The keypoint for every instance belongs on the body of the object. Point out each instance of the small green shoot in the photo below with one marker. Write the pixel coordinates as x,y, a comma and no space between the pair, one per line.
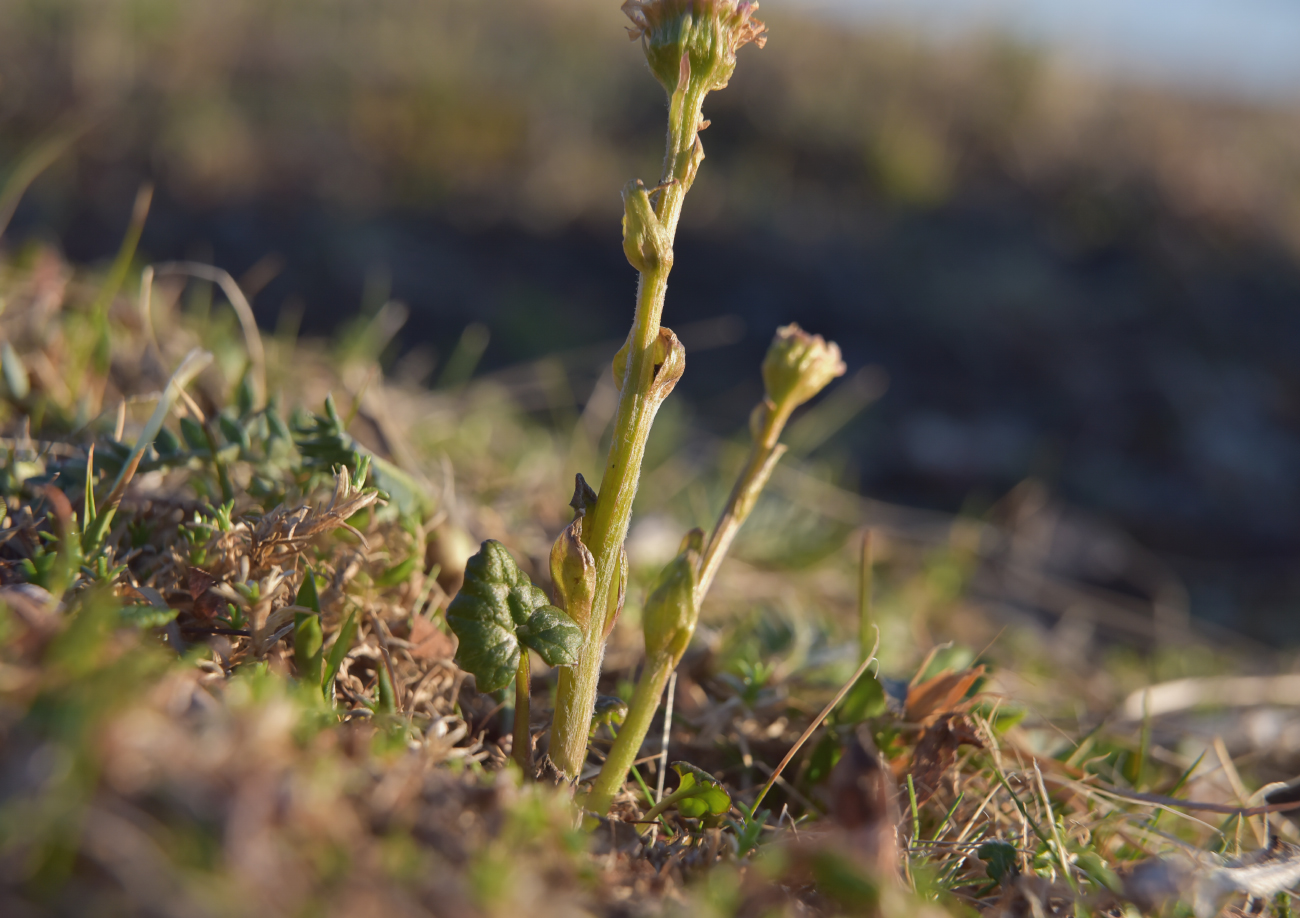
308,638
698,794
752,829
610,711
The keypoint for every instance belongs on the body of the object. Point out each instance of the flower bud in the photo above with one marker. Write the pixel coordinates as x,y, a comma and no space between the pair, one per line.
694,39
670,614
645,243
798,366
573,574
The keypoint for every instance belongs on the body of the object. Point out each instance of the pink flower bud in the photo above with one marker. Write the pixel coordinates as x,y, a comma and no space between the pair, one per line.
706,33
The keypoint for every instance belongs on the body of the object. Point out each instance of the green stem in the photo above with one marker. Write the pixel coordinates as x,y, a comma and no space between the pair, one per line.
645,788
522,750
605,529
767,451
763,457
641,711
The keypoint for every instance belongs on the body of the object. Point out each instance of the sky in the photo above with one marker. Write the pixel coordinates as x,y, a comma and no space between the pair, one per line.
1249,48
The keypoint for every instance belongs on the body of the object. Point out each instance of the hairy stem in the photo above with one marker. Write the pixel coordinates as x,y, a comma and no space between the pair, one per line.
606,527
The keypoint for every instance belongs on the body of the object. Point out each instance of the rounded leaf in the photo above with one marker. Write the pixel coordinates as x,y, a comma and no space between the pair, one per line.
497,610
555,636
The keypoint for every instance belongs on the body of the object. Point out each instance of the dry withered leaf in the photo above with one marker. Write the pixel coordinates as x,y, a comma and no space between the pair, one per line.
937,752
198,583
943,693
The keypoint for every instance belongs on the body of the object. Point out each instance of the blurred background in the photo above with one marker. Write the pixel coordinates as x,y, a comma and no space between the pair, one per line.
1057,242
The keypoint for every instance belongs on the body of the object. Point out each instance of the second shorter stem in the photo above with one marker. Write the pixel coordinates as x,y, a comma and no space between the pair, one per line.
763,457
641,711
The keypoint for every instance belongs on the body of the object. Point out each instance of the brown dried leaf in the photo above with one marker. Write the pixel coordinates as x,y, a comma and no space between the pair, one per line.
198,583
943,693
937,752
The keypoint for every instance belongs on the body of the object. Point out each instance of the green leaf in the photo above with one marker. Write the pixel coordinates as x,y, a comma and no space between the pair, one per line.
233,432
193,433
166,443
1099,872
88,508
711,798
275,422
398,573
387,697
866,699
308,597
145,616
340,650
556,637
824,757
307,643
1000,859
308,638
497,608
754,822
245,397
